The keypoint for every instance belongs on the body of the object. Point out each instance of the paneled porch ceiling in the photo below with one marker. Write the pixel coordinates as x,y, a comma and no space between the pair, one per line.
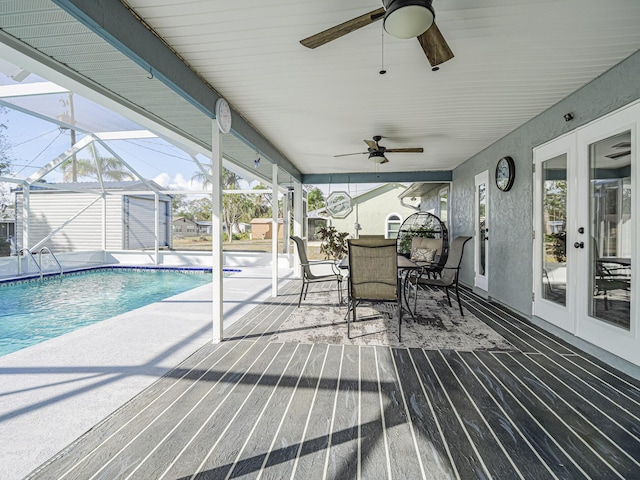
301,107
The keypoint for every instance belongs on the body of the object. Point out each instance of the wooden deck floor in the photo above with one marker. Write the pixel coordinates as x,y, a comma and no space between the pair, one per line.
250,408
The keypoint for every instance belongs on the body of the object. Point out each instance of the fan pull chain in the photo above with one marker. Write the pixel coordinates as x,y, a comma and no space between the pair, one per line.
382,70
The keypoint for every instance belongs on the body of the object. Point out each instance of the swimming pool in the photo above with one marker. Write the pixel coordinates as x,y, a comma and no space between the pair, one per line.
31,312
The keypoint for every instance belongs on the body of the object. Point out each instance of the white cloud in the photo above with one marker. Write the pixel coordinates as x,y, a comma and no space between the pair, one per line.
163,179
178,182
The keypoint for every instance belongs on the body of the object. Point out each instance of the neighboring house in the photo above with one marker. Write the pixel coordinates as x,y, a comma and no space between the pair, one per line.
204,228
7,223
378,212
184,227
130,218
261,228
316,221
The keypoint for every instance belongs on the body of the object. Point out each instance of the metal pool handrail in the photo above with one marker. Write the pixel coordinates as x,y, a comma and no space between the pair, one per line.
20,252
47,249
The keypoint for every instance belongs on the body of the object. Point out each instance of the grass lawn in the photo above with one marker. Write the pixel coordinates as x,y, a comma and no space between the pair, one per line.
203,243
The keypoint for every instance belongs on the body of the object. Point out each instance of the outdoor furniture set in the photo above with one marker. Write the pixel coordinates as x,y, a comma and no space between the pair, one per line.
390,270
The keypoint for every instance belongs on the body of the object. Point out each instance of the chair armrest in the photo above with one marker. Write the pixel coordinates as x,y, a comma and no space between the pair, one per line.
333,263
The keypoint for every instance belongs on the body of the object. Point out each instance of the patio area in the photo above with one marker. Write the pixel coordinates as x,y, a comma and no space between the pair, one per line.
256,407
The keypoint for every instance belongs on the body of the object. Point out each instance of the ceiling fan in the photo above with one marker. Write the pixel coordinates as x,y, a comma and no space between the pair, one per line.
377,151
402,19
625,145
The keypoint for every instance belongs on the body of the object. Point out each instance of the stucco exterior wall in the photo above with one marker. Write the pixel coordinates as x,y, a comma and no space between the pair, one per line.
510,213
370,210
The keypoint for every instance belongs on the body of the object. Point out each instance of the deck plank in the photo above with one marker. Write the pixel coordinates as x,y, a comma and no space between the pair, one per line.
312,454
342,461
403,456
494,460
541,404
255,452
552,455
287,440
373,454
433,450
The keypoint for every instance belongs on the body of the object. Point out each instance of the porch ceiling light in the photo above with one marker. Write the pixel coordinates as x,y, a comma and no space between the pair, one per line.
407,18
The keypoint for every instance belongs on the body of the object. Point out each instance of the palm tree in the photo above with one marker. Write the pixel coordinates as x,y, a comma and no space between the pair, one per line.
111,168
230,180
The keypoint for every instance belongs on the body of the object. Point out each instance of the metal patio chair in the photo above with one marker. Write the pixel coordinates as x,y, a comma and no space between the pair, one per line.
373,276
307,274
448,275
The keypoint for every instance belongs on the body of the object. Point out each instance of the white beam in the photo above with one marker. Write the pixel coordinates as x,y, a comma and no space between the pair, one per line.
63,157
216,232
126,135
297,222
30,89
157,227
274,231
142,178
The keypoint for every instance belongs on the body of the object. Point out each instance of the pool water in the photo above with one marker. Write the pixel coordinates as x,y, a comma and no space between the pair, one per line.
32,312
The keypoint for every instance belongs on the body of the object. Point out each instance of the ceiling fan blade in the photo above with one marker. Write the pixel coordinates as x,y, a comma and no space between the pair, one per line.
347,154
405,150
339,30
613,156
371,144
435,46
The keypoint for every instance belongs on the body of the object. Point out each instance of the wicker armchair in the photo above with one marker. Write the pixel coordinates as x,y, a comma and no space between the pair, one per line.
373,276
449,274
309,277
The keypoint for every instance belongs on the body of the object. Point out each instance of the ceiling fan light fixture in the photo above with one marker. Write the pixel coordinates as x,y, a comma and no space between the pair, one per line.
407,18
377,156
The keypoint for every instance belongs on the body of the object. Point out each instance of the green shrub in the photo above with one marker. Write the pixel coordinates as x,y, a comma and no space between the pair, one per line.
334,243
5,248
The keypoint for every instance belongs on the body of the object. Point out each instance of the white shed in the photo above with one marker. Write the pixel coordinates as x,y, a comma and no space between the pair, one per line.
77,210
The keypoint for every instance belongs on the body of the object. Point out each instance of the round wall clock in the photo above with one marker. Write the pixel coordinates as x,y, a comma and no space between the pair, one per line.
223,115
505,173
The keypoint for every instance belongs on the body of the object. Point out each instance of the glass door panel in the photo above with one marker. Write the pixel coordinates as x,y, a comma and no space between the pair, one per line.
554,230
611,225
482,231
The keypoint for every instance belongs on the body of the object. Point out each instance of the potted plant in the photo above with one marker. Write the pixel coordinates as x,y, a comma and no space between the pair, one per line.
333,243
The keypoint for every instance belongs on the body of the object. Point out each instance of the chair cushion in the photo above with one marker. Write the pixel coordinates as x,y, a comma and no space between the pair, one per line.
423,242
423,254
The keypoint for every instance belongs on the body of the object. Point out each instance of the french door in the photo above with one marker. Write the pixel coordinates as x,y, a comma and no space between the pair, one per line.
586,233
481,244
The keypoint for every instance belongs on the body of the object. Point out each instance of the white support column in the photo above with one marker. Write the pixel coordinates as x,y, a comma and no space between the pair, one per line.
216,232
156,198
26,216
104,222
297,222
285,225
274,231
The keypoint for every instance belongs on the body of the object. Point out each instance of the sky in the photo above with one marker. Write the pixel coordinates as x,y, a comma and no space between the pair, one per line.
34,141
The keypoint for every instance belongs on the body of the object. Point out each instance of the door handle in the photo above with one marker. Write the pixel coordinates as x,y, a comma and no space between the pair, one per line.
579,244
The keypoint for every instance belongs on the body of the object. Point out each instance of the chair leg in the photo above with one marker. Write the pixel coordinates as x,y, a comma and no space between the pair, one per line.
301,292
400,319
353,312
446,289
306,289
459,302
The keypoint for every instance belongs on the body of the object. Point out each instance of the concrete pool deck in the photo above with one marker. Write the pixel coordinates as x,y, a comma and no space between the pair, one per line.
53,392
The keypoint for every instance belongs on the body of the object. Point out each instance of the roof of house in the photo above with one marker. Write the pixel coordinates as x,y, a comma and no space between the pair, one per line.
124,185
